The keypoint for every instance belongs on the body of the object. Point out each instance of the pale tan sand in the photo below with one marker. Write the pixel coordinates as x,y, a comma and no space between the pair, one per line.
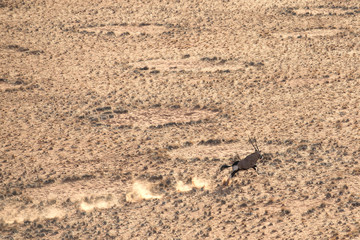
115,117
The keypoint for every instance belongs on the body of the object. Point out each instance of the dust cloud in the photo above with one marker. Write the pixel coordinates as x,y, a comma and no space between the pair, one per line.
182,187
201,183
101,204
195,183
15,215
140,191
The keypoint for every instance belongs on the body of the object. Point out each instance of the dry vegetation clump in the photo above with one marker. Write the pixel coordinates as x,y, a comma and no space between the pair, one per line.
115,119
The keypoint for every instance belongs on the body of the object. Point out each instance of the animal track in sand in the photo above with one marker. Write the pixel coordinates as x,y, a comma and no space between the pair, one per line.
124,29
194,64
311,33
326,11
158,118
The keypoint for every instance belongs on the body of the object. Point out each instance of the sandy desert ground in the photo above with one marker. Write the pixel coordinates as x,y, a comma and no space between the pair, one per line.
117,115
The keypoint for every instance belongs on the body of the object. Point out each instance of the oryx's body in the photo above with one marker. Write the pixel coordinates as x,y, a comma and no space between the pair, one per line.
246,163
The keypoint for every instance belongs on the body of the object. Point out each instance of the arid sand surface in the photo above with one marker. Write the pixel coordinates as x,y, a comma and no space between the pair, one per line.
115,117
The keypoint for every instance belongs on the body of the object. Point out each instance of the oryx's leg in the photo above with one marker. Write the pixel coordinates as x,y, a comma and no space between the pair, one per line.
233,173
